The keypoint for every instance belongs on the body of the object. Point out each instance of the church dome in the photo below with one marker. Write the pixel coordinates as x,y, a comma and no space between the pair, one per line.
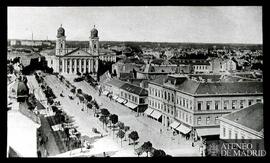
60,32
94,32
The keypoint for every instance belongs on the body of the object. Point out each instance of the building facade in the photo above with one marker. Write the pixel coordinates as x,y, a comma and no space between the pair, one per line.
198,105
246,123
72,61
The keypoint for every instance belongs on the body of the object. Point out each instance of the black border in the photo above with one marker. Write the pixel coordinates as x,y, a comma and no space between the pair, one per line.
69,3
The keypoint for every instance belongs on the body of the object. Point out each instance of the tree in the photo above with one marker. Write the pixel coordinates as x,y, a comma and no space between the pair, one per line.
79,91
78,73
126,128
88,97
73,90
114,120
133,136
159,153
147,147
105,113
89,105
139,151
121,125
121,135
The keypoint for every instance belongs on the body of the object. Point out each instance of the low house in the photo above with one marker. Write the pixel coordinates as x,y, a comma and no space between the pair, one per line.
246,123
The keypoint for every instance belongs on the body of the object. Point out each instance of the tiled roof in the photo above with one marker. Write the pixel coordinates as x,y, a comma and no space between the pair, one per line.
134,89
124,75
251,117
115,82
204,88
230,88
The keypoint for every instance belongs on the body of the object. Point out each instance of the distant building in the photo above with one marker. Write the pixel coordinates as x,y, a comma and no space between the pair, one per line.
246,123
71,61
228,65
198,104
201,67
107,55
125,66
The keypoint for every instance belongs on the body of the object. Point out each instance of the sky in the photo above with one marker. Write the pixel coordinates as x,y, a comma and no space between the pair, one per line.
230,24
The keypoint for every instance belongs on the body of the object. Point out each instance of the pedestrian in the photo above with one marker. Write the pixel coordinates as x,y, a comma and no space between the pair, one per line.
160,131
104,154
192,144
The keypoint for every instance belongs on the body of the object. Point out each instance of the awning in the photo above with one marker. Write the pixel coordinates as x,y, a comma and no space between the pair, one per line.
207,131
156,114
175,124
120,100
131,105
148,111
105,93
183,129
115,97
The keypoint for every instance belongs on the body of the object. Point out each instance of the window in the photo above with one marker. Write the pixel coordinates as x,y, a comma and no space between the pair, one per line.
155,92
216,105
190,119
122,94
242,104
190,105
169,96
199,120
216,120
184,102
207,120
234,104
186,117
158,106
179,115
199,105
129,96
165,95
224,132
180,100
158,93
172,111
165,108
230,134
208,104
172,98
51,61
155,104
177,101
150,90
187,103
235,135
250,102
135,99
226,104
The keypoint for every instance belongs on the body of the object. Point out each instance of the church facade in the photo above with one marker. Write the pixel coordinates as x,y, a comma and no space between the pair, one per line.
73,60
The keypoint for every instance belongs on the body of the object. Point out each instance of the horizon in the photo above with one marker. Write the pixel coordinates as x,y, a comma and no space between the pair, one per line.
143,41
233,24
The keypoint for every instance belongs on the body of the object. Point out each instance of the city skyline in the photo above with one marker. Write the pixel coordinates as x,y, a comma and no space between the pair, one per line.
150,24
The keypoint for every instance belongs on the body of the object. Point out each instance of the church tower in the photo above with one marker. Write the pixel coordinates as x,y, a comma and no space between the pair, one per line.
60,41
94,42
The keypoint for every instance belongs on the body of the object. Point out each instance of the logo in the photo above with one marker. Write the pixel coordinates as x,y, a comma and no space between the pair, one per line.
213,149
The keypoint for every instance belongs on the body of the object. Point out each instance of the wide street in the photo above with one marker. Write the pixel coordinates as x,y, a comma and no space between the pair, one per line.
148,129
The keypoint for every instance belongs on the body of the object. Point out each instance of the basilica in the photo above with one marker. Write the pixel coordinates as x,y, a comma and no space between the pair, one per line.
73,60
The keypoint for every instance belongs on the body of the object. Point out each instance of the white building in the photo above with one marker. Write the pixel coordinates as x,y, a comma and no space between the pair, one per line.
246,123
71,61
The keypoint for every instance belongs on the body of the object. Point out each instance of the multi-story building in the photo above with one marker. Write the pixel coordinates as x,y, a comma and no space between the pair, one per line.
228,65
135,95
246,123
68,61
197,104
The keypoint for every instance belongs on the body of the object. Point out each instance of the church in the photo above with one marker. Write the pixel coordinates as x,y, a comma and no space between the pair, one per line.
71,61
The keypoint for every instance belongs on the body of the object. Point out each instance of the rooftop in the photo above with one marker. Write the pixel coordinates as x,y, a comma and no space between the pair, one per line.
251,117
134,89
